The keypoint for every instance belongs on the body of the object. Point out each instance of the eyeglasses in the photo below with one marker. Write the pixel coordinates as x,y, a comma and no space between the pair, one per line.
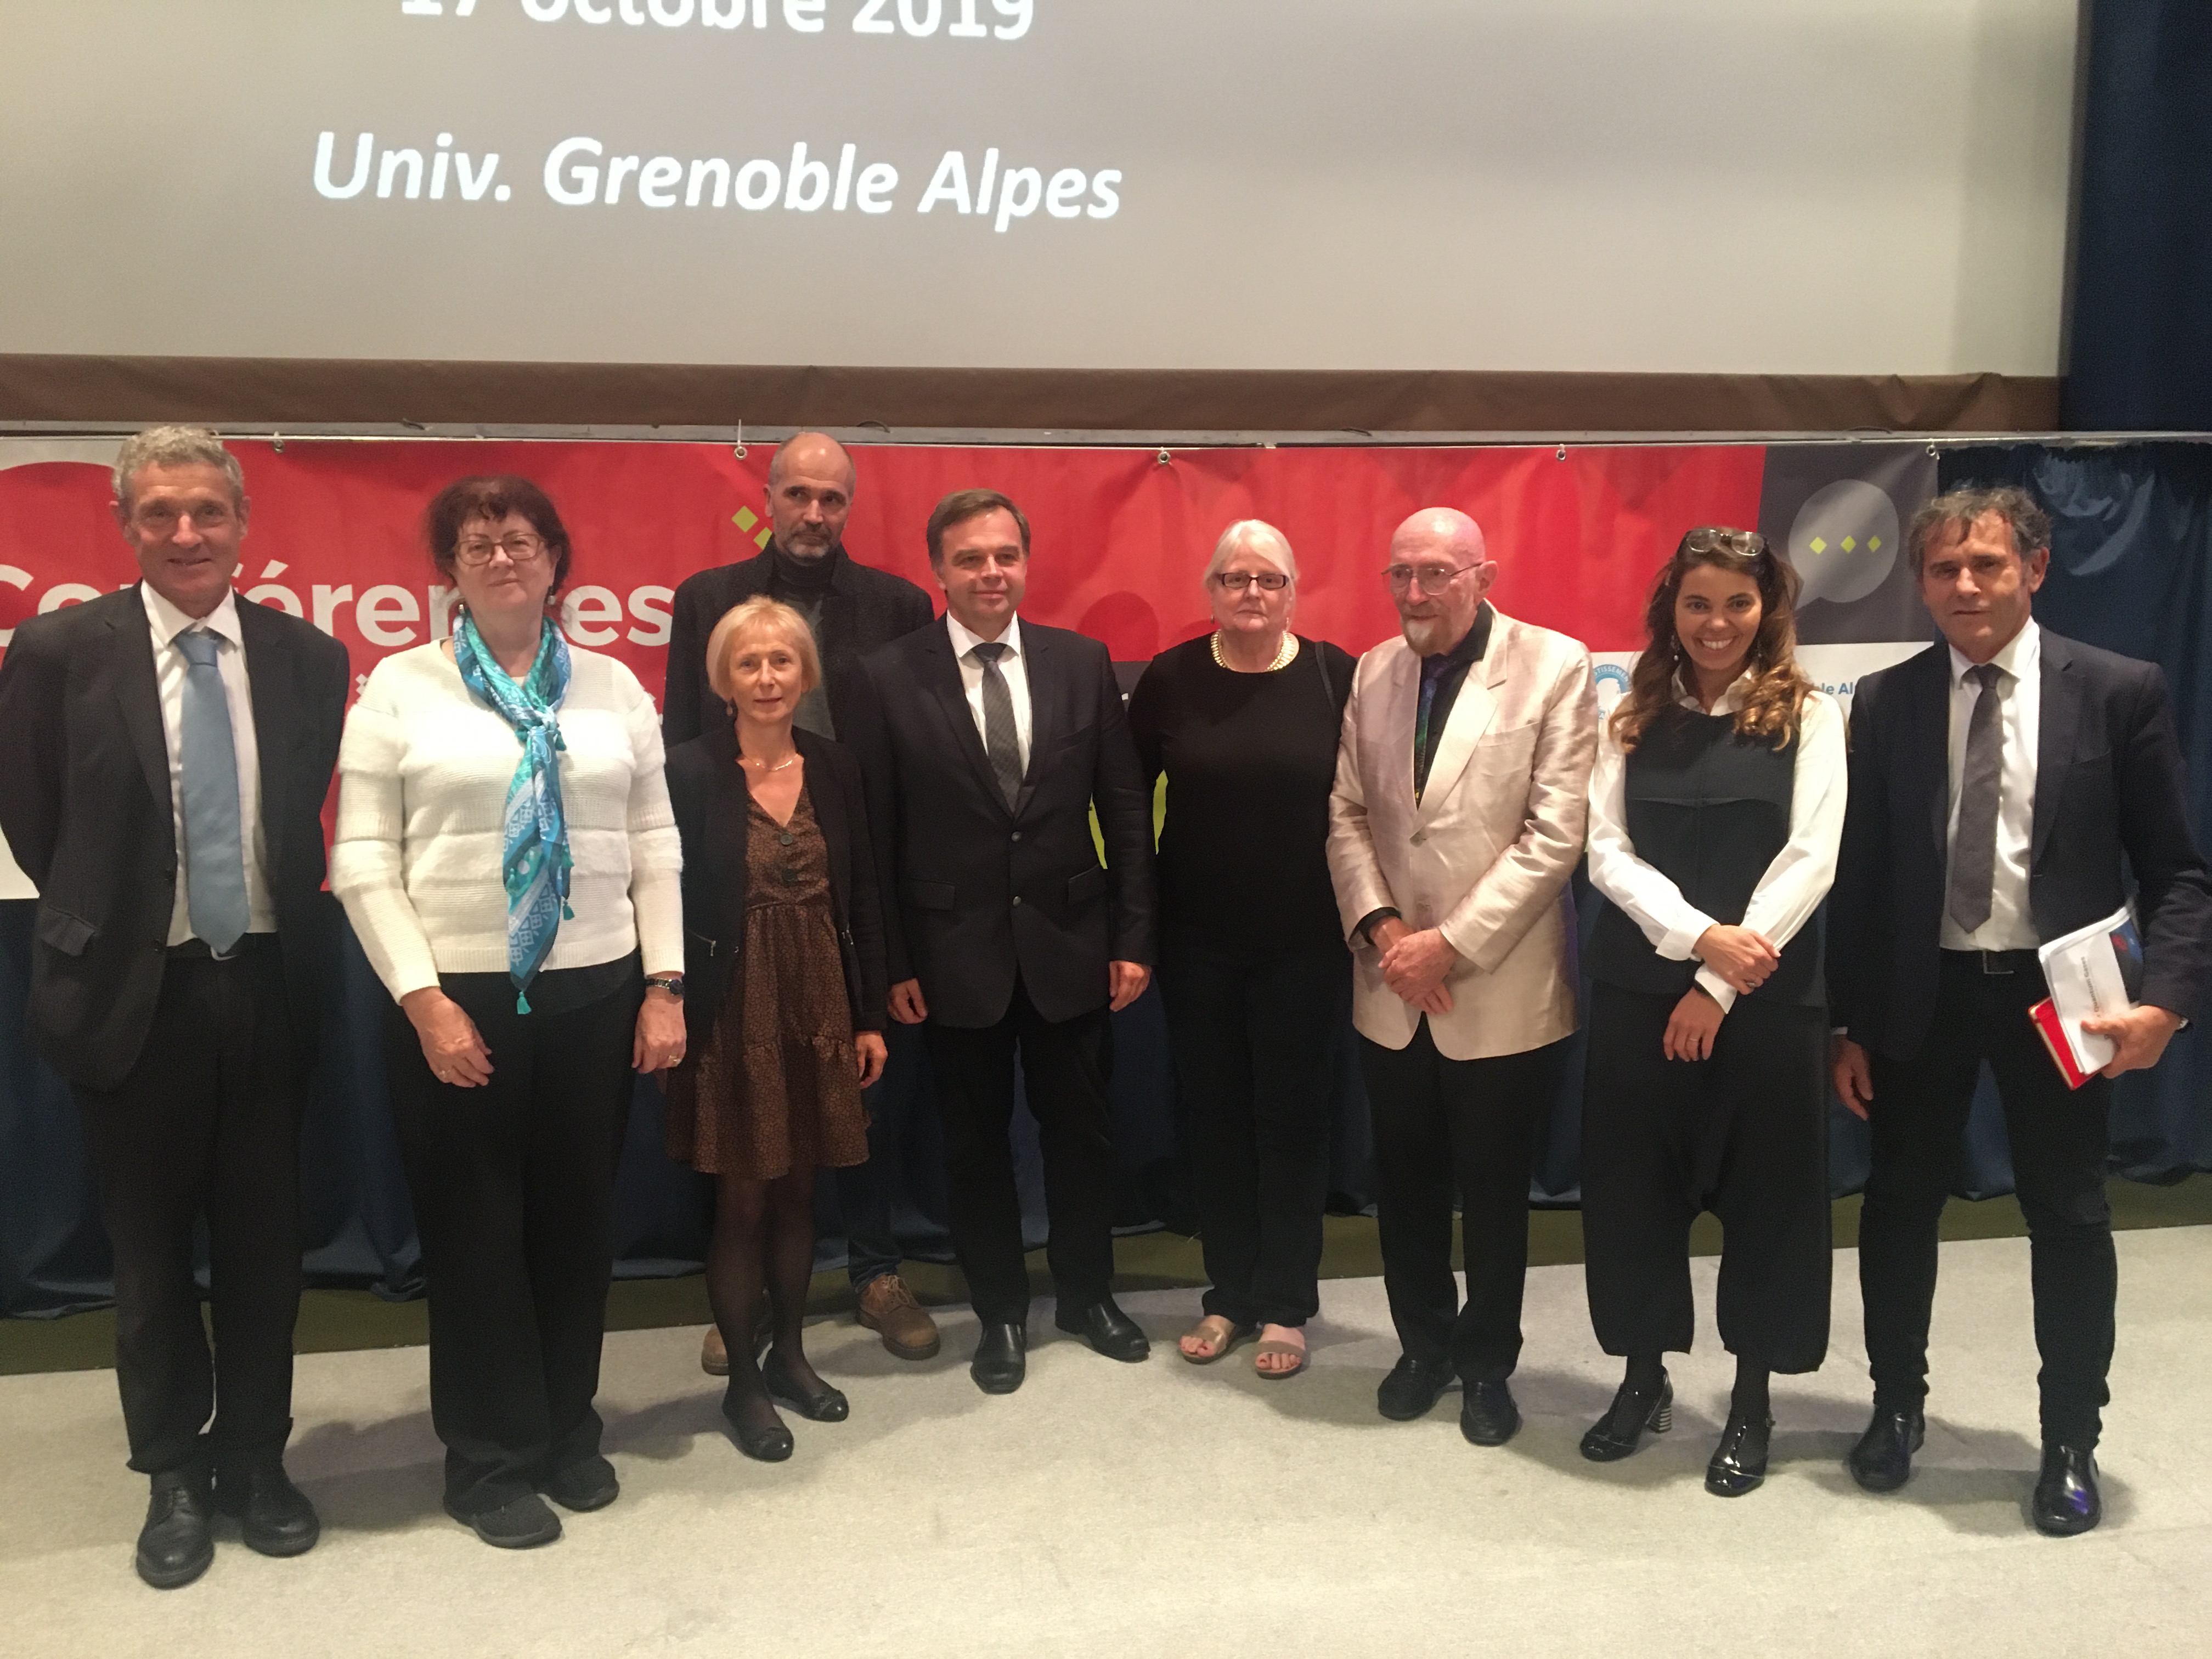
1431,578
1236,581
1710,538
519,549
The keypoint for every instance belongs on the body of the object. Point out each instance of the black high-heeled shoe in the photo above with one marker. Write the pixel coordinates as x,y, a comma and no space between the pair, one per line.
820,1405
1739,1462
757,1440
1620,1431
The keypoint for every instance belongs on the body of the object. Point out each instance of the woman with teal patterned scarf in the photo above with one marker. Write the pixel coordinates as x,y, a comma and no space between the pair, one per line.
507,855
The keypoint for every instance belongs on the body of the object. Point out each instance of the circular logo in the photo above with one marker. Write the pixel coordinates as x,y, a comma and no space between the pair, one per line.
1845,541
1611,679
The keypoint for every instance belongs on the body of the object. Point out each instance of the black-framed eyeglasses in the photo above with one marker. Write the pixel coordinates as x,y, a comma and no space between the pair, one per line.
519,549
1433,579
1236,581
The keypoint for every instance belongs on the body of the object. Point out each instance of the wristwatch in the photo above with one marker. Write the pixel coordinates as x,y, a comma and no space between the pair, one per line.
672,983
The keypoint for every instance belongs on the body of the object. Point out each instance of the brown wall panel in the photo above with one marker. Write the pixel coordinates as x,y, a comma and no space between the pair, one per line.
255,390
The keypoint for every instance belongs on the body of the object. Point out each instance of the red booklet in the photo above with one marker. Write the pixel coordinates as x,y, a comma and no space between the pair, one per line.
2062,1052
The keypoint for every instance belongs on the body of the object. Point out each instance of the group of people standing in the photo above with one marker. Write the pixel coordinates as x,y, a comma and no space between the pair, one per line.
855,824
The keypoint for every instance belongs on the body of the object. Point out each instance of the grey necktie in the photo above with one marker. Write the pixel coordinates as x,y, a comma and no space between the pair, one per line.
1974,847
1000,741
214,853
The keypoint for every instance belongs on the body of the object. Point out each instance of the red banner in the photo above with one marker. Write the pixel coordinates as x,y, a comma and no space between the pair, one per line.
1120,534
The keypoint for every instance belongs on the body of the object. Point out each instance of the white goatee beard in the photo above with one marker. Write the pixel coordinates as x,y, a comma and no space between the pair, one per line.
1427,634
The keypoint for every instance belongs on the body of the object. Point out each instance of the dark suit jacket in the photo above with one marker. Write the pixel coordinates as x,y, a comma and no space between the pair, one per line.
983,893
706,788
84,801
2108,785
864,608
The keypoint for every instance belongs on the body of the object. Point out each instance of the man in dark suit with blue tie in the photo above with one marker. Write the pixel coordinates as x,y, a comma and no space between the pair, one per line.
1998,782
986,742
164,755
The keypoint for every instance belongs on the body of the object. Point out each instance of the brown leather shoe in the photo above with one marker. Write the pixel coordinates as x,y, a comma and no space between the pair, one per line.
714,1353
889,1309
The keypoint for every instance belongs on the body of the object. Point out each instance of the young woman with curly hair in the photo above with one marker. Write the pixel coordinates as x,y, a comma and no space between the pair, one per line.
1716,807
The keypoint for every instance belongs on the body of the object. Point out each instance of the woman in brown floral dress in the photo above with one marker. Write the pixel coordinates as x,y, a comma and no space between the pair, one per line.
784,980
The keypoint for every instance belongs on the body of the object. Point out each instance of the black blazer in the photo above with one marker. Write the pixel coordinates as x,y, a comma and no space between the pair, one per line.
864,608
983,893
84,801
2108,786
706,788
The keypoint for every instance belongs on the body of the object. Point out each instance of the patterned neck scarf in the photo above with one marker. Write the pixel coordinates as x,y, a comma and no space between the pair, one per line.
534,862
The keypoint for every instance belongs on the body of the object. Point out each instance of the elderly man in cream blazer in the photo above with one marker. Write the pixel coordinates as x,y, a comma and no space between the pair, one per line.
1461,788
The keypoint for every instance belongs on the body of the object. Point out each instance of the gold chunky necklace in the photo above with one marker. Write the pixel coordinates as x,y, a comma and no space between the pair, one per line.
1285,654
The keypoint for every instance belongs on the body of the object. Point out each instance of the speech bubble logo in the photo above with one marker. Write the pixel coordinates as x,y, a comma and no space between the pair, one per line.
1844,541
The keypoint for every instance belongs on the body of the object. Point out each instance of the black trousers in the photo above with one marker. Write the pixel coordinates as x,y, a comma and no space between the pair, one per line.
1744,1134
2059,1140
513,1189
206,1124
1251,1038
1064,1063
1439,1121
866,1192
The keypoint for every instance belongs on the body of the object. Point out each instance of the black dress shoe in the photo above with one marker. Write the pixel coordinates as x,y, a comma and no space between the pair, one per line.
1107,1328
275,1515
823,1404
759,1435
1412,1387
589,1483
1882,1459
1620,1431
177,1543
1738,1462
520,1523
2067,1501
1001,1357
1487,1415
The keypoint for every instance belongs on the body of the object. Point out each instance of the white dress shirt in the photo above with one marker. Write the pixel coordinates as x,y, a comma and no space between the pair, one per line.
1794,882
165,622
2011,926
1010,666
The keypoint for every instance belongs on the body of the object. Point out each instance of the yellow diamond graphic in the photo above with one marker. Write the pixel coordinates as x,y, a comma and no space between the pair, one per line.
1849,542
1820,544
761,540
1873,543
744,518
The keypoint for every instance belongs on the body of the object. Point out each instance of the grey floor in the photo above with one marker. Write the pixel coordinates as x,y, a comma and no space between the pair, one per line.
1166,1509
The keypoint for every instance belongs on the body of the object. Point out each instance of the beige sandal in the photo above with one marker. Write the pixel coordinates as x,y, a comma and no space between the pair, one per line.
1233,1333
1271,1345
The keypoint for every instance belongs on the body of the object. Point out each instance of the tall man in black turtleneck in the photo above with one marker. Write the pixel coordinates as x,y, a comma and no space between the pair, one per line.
852,608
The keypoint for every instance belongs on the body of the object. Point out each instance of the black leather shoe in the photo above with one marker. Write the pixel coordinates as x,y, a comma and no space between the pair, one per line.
275,1515
1412,1387
177,1542
1882,1459
820,1405
587,1484
1620,1431
759,1435
1107,1328
520,1523
1001,1357
1487,1415
1738,1462
2067,1501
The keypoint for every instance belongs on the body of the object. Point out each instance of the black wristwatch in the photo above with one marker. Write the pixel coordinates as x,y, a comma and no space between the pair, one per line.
672,983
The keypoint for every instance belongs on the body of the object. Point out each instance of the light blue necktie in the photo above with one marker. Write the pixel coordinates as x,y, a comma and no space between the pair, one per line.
215,854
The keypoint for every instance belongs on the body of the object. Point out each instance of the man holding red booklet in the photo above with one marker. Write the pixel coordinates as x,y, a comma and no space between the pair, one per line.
1997,781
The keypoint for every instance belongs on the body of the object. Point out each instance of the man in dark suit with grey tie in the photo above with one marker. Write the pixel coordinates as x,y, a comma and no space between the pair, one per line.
164,755
1998,782
986,742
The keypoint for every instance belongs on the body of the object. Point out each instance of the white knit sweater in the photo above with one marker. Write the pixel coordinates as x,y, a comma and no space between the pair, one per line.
422,780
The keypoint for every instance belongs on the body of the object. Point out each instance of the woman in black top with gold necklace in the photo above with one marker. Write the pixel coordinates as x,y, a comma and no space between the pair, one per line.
1717,804
1244,721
